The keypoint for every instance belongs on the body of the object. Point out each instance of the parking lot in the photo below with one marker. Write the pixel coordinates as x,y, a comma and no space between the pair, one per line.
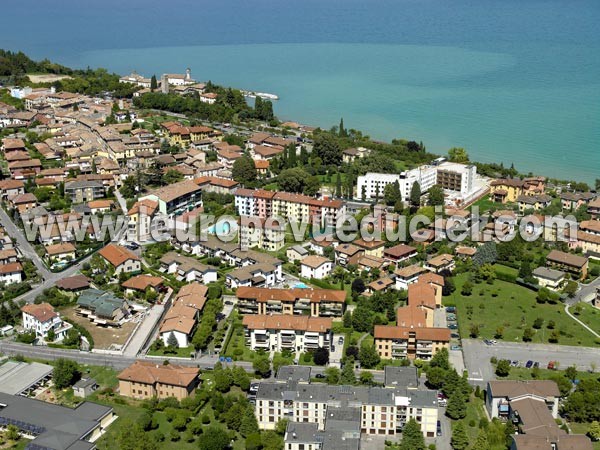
336,356
477,356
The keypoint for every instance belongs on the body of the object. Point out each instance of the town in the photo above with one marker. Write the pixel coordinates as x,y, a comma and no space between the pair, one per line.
118,331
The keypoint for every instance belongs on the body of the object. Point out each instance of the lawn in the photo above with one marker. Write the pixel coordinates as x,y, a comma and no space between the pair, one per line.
582,428
236,347
485,204
513,308
588,315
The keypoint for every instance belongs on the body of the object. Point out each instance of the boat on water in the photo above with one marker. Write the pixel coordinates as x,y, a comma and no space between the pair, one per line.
263,95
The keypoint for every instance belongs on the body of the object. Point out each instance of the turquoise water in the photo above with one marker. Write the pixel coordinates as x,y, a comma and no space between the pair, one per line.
300,285
221,228
512,81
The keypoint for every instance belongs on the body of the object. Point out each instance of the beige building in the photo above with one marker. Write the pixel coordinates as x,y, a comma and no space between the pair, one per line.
144,379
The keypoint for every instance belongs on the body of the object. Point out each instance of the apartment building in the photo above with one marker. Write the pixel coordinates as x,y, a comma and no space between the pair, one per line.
315,266
456,177
140,224
567,262
379,410
84,191
187,269
268,234
177,198
372,185
507,190
284,332
295,301
145,380
288,206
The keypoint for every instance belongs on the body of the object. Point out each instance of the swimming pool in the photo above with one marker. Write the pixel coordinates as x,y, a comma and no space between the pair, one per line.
301,285
222,228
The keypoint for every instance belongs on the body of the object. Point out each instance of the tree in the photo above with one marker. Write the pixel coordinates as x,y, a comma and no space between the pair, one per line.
131,436
594,428
571,288
328,149
153,83
366,378
172,341
338,185
474,330
460,438
415,194
332,375
214,438
321,356
467,288
486,254
412,437
249,423
481,443
358,285
441,359
172,176
571,373
341,130
457,406
51,336
312,185
129,187
527,335
262,365
458,155
347,376
525,271
362,319
65,373
503,368
538,323
12,433
291,154
392,194
347,319
436,195
244,170
292,180
368,356
436,377
253,442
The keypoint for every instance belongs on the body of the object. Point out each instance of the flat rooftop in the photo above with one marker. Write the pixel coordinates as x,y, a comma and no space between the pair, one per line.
17,377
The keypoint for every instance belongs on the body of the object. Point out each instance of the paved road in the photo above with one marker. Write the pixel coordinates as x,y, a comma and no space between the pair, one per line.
23,244
477,356
586,293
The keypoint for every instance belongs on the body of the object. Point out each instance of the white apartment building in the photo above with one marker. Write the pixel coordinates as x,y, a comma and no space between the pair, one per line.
373,183
266,234
456,177
383,410
285,332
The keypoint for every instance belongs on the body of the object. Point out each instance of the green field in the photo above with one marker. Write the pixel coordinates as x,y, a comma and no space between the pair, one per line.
514,308
588,315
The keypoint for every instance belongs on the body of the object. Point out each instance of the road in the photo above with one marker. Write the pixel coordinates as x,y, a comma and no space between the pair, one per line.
586,293
23,244
477,356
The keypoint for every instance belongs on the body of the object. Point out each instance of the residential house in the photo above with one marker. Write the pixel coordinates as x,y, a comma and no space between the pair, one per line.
73,285
140,284
146,380
11,273
440,263
101,206
60,253
121,259
8,256
400,253
573,264
101,308
534,202
23,202
407,275
314,266
187,269
346,254
372,247
550,278
380,285
594,208
10,188
296,253
41,318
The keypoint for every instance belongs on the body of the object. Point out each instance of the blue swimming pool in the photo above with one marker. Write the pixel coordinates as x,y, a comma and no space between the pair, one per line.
300,285
221,228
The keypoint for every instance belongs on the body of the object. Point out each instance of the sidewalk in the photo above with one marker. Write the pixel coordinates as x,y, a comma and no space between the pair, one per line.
142,332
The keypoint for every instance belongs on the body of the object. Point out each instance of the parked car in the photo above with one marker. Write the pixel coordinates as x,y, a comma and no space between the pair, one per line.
450,309
453,326
552,365
319,376
439,428
487,342
529,364
455,335
536,364
514,363
341,340
456,347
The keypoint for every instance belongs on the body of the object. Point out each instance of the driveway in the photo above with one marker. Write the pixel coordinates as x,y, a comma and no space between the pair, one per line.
336,356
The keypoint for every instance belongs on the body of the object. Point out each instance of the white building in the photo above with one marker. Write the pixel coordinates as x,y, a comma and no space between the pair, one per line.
42,318
11,273
284,332
315,266
373,183
177,79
